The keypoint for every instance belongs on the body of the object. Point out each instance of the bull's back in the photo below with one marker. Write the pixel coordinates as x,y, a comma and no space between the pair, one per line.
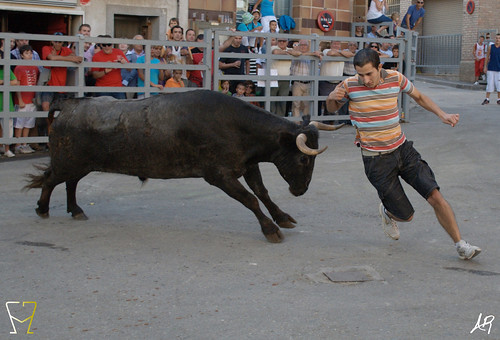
165,136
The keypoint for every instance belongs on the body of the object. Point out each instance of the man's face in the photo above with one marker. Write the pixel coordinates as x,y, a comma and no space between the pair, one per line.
335,45
420,4
481,40
107,48
177,34
237,41
22,42
369,74
385,46
395,52
303,46
273,26
352,47
57,45
190,36
497,40
282,43
85,31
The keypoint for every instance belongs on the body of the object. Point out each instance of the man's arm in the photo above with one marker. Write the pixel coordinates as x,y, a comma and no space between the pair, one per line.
429,105
487,59
72,57
335,99
417,23
408,15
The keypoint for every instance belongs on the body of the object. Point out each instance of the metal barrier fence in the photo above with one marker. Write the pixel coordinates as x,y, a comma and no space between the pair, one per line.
440,54
208,66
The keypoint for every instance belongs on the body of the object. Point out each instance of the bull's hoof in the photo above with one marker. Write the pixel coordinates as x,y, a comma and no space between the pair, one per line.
80,217
287,222
277,237
42,214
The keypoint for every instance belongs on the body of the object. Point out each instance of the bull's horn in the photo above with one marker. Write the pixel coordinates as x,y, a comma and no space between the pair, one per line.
301,144
327,127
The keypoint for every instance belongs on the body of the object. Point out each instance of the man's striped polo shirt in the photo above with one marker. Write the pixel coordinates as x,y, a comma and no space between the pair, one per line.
374,111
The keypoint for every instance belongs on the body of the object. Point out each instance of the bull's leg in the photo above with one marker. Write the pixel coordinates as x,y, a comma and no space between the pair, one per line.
72,207
254,181
236,190
48,186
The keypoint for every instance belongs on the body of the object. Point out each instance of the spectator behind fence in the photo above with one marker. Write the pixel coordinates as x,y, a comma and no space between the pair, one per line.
27,75
15,54
250,91
240,90
392,65
171,23
156,76
196,76
330,69
129,75
176,80
235,65
109,77
13,81
376,15
56,52
414,16
179,54
281,68
302,87
224,87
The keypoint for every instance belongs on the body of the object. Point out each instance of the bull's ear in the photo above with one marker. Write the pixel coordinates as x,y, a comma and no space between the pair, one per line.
306,119
287,139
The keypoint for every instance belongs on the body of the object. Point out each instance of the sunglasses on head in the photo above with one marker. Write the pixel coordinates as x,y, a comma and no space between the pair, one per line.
420,2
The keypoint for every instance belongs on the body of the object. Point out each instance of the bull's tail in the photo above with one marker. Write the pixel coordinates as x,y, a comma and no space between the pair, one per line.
37,180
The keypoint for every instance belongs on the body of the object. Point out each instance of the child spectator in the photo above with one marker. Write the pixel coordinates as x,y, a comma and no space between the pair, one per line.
240,90
224,87
13,81
396,22
176,80
250,91
156,76
171,23
255,26
27,76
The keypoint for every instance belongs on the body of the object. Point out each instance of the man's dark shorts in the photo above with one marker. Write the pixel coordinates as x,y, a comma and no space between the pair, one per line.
384,171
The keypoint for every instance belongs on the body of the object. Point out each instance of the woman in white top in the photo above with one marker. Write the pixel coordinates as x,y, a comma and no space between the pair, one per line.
376,14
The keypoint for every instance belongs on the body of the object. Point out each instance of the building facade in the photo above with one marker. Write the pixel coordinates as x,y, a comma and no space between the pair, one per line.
126,18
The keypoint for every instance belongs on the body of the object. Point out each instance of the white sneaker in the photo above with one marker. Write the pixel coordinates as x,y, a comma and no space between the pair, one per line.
9,154
476,83
28,149
388,224
466,251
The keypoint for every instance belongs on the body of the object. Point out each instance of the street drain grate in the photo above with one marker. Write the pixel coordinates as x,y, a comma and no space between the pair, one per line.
346,274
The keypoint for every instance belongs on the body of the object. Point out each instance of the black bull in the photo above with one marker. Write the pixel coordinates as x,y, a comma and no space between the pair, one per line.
192,134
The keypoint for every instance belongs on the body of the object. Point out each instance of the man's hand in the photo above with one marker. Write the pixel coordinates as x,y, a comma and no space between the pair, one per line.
451,119
338,94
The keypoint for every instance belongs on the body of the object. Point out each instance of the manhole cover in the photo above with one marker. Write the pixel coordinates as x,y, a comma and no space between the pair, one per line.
346,274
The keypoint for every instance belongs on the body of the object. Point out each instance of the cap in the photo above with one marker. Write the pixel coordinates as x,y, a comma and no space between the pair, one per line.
246,18
256,11
58,33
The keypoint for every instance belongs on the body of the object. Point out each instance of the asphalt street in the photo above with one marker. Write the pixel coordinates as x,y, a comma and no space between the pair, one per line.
179,259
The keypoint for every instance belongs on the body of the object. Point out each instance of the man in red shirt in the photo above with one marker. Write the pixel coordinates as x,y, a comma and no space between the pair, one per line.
56,52
109,77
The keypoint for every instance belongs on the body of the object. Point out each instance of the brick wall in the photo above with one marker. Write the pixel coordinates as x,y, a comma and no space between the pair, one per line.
305,14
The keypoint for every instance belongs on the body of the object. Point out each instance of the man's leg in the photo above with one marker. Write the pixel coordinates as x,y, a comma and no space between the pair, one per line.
444,214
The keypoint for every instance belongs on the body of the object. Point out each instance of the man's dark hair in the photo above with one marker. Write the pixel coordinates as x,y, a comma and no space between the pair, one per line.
84,25
177,26
395,47
365,56
200,36
25,48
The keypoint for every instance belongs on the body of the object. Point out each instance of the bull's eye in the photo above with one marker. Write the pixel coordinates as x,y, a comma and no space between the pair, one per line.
304,160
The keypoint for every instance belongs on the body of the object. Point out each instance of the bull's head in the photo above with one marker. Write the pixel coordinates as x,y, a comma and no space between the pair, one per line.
297,164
